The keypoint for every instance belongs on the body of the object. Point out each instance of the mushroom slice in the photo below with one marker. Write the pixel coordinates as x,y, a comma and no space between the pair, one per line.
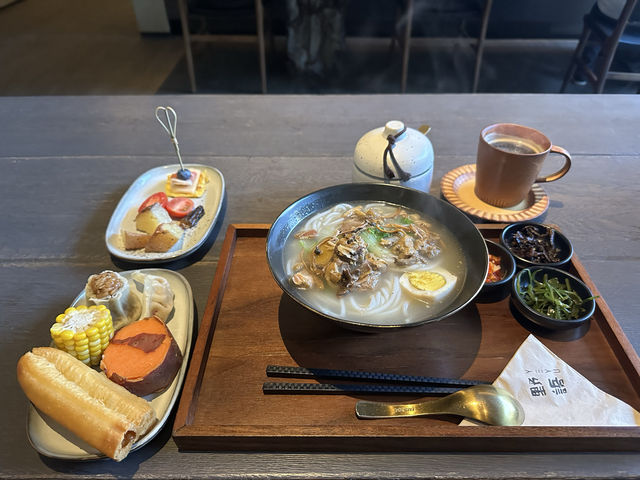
305,280
322,253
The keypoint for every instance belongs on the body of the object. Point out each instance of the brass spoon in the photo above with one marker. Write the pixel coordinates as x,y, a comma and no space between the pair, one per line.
486,403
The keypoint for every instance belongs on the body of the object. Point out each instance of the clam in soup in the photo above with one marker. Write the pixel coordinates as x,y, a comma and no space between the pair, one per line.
375,263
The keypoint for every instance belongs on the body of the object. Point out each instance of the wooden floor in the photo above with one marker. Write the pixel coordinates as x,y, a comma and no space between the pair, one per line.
80,47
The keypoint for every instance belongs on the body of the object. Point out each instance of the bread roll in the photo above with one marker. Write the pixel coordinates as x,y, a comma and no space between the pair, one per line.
103,414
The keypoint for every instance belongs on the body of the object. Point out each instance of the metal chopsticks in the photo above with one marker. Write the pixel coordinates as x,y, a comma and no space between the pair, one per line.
386,382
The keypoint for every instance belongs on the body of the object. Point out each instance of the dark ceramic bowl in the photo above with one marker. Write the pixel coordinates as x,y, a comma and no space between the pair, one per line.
560,242
496,291
470,239
521,282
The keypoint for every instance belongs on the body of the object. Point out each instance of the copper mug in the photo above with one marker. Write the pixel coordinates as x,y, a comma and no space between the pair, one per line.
509,160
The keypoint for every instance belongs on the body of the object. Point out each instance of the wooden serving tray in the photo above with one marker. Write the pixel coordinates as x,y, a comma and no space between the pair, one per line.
249,323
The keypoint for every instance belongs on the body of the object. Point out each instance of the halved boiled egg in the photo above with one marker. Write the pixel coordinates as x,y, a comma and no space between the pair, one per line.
431,285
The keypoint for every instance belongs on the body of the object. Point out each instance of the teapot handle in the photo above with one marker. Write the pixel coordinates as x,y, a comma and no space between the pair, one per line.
424,129
388,173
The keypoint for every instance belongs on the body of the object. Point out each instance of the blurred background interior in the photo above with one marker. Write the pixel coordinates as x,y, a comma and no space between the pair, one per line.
83,47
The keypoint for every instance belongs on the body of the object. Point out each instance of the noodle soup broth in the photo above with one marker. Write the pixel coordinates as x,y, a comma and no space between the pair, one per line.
375,263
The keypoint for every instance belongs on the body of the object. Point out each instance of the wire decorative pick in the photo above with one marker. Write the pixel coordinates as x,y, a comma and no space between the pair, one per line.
171,127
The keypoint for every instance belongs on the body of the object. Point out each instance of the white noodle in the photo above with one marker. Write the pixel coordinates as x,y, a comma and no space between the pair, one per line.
328,220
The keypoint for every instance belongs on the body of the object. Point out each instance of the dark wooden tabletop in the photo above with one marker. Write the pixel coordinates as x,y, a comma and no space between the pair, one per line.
66,161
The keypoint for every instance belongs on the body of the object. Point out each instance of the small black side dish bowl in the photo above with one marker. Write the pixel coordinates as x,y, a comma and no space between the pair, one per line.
560,242
496,291
521,282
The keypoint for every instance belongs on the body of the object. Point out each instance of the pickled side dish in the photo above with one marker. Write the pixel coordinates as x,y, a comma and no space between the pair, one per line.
551,297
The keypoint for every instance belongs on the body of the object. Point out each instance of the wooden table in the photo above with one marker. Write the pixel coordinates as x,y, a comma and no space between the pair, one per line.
67,160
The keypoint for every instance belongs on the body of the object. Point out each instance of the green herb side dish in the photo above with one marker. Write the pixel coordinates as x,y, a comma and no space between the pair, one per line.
552,298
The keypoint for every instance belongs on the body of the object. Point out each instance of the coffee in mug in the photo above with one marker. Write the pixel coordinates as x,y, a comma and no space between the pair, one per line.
511,144
509,160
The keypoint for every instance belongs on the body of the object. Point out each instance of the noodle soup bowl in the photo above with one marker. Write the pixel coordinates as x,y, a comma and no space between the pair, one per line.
384,308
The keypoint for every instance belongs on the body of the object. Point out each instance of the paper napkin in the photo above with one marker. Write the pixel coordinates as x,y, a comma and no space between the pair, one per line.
553,393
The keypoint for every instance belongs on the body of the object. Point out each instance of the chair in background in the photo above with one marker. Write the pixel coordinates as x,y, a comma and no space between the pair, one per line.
406,43
222,9
607,36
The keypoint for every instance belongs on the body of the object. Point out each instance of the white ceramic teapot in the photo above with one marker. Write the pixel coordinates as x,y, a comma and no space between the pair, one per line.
394,154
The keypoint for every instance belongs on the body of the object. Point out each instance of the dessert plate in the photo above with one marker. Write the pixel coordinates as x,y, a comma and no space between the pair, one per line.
457,187
52,440
153,181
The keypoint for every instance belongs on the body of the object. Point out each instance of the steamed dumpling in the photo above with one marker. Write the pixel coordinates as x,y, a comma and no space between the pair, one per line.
157,295
114,292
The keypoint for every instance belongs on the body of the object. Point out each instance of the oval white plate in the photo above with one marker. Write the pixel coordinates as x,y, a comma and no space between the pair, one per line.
52,440
153,181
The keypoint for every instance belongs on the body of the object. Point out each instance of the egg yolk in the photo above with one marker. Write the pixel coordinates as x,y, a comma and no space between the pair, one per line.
427,281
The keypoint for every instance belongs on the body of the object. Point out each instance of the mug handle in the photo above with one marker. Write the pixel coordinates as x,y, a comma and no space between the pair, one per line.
560,173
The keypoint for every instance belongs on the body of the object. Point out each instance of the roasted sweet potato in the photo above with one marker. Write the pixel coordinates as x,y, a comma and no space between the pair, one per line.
143,357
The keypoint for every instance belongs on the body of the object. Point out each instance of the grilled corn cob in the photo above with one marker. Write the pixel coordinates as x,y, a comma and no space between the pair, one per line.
84,332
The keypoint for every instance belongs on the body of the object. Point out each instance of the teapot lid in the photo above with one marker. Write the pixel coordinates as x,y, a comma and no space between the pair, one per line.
393,152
